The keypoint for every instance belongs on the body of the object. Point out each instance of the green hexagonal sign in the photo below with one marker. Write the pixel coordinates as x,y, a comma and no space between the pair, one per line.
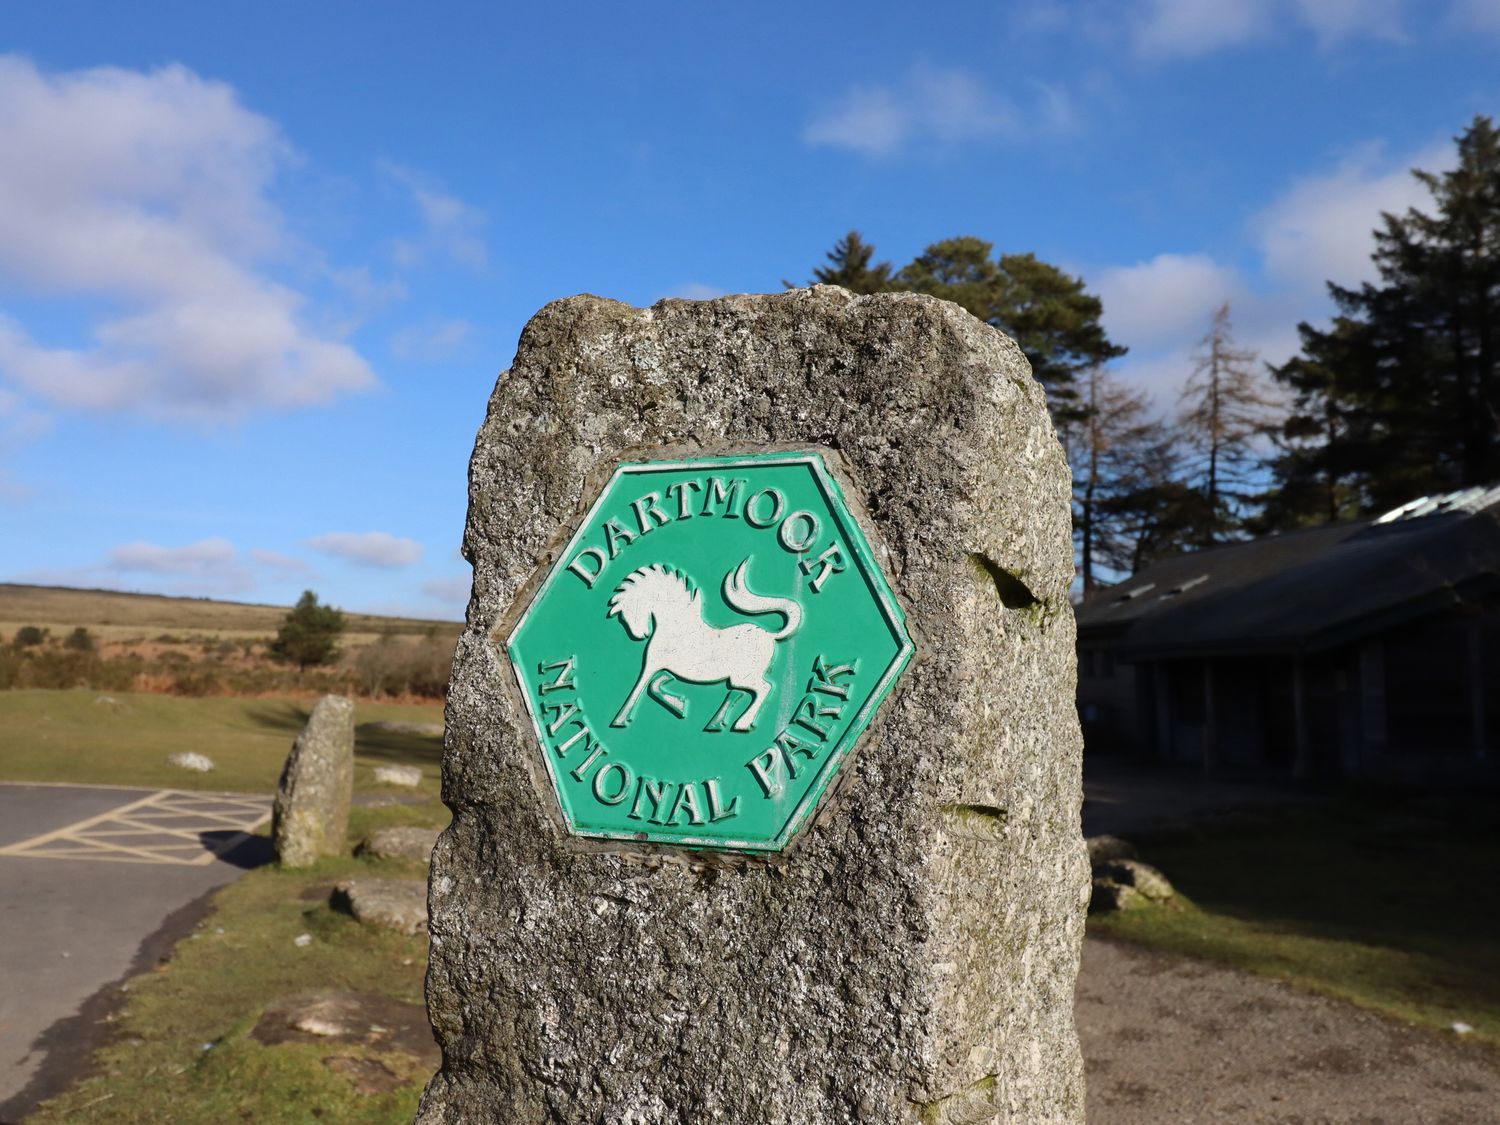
707,650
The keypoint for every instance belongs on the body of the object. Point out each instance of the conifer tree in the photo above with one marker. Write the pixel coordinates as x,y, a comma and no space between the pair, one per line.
1226,413
1116,452
849,266
1400,395
309,633
1056,322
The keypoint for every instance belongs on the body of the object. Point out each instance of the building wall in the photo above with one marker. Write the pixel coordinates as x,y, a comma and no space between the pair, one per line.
1107,702
1418,704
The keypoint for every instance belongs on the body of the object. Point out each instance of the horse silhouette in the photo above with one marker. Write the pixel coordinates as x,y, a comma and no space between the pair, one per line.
659,606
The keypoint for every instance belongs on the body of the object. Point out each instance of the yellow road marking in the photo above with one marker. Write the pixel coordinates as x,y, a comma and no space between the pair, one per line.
99,837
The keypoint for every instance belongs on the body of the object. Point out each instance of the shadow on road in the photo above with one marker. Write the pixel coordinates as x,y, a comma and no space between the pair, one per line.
256,851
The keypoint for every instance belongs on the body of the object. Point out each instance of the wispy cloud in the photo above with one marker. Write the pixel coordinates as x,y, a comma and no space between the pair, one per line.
432,340
284,566
933,105
20,423
148,193
1158,302
451,593
693,291
1195,27
368,548
1318,229
1476,15
203,557
1167,28
207,566
451,228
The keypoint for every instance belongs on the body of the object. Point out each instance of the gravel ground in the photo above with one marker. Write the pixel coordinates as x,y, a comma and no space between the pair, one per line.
1172,1039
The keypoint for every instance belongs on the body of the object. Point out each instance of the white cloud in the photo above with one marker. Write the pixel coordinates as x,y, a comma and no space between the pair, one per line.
1333,21
431,341
147,193
368,548
932,105
1165,28
19,423
207,566
451,228
1149,304
453,592
1320,229
1194,27
203,557
282,565
1263,326
1477,15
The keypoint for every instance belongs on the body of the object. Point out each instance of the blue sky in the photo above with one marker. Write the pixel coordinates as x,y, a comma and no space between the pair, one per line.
260,264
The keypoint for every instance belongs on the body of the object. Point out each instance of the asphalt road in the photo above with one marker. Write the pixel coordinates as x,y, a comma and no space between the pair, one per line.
95,885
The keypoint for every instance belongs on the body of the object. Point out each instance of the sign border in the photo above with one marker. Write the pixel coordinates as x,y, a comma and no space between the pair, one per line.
890,607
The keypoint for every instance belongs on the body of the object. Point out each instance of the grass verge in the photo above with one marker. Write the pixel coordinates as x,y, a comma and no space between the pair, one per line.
183,1050
1382,901
125,738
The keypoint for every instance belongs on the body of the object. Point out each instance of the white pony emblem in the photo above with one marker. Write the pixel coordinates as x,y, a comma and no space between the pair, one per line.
657,603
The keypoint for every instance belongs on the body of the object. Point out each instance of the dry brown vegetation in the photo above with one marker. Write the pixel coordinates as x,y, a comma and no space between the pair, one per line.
196,646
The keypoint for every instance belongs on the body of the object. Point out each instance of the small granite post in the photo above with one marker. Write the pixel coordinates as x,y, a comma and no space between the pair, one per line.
311,815
761,740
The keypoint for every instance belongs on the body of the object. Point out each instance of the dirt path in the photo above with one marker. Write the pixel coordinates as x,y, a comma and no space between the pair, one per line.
1169,1039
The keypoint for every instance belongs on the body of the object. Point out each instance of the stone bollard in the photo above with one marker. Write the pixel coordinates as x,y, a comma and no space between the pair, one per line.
311,815
762,750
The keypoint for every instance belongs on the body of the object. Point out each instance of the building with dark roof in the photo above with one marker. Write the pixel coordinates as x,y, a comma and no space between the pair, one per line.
1368,649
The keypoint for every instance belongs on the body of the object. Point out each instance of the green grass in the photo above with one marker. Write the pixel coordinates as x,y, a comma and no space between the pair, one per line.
219,981
70,736
1386,903
182,1049
242,958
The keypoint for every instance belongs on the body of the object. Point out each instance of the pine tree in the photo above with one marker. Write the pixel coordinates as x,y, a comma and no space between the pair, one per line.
1400,396
309,633
1163,514
1048,313
849,266
1116,453
1226,414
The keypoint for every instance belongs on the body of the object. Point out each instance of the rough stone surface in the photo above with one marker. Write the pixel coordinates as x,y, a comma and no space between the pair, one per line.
368,1019
312,800
1108,895
405,842
1104,849
396,904
1142,876
198,763
408,776
913,957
